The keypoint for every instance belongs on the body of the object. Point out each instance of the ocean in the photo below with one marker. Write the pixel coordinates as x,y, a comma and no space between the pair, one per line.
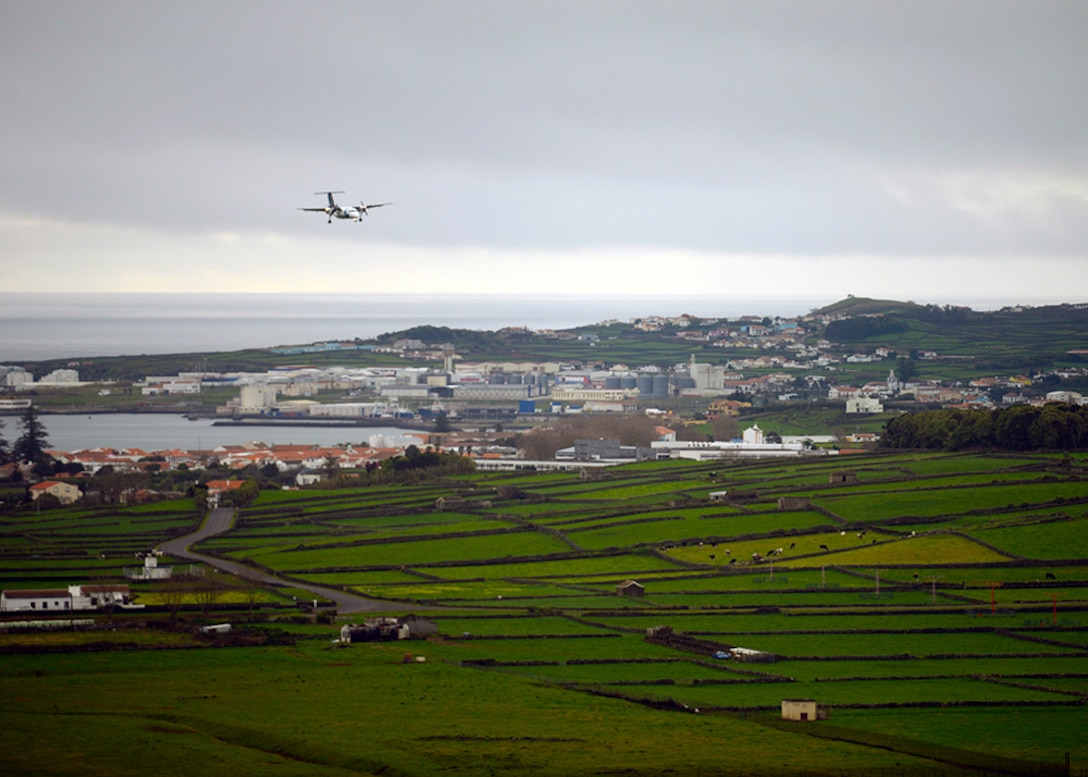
36,327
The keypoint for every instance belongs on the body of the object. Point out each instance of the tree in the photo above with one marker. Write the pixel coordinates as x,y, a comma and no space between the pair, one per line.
906,368
31,444
251,588
3,446
174,593
208,590
725,428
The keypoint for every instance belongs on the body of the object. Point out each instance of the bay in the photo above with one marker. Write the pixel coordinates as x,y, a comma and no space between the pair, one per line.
164,431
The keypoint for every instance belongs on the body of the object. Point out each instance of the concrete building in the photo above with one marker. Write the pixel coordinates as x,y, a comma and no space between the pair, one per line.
257,398
707,377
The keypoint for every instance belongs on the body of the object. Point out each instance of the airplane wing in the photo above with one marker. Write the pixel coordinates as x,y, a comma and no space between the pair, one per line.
314,210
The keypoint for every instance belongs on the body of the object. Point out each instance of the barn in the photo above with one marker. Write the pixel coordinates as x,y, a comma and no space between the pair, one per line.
630,588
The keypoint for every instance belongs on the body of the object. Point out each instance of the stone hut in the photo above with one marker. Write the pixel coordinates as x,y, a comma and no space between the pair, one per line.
804,709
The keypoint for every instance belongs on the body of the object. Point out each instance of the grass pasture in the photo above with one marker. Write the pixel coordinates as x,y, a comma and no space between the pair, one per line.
940,606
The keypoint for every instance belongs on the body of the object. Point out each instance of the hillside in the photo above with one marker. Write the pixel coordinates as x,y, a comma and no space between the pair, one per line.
937,604
1028,338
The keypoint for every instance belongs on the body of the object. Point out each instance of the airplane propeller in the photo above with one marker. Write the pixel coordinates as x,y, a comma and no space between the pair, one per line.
363,207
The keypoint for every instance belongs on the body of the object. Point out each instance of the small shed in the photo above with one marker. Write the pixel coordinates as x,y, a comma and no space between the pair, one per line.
750,656
418,628
842,479
450,502
794,503
217,628
804,709
630,588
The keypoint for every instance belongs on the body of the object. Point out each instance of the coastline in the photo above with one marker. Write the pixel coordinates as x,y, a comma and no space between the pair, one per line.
339,423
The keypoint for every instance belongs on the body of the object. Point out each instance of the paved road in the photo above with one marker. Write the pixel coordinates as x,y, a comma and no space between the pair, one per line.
221,520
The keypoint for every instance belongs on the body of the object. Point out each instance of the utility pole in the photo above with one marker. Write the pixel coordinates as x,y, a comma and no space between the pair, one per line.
933,588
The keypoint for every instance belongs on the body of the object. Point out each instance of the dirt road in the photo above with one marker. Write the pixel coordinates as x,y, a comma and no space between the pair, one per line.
220,520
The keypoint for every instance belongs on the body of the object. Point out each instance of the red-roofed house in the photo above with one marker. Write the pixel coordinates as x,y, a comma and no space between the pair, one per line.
66,493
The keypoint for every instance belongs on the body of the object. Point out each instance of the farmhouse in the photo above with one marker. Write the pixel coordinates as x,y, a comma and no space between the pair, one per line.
388,629
630,588
804,709
75,597
42,600
66,493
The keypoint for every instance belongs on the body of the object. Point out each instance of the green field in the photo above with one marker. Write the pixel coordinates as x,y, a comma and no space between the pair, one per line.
939,606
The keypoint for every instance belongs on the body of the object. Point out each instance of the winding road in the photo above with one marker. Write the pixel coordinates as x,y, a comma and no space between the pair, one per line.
219,521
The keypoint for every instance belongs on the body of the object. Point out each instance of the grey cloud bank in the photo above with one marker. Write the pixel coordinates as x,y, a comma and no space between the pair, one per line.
893,149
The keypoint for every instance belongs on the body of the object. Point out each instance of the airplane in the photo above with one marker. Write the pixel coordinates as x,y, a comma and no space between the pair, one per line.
353,212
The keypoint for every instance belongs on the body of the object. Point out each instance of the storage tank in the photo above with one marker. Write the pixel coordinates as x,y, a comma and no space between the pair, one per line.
645,385
612,382
661,385
628,382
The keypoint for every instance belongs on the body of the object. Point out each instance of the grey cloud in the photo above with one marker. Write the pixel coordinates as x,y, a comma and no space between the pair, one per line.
762,126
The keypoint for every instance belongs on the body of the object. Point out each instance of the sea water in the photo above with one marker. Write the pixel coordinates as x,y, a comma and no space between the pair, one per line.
165,431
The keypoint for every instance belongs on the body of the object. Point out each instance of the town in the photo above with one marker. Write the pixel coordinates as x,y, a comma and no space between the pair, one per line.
731,397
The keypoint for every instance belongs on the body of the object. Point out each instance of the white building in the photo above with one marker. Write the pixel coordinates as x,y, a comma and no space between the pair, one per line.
43,600
1070,397
753,435
711,451
150,570
75,597
804,709
864,405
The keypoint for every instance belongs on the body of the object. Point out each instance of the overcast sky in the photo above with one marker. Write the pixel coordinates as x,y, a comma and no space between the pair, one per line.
933,151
